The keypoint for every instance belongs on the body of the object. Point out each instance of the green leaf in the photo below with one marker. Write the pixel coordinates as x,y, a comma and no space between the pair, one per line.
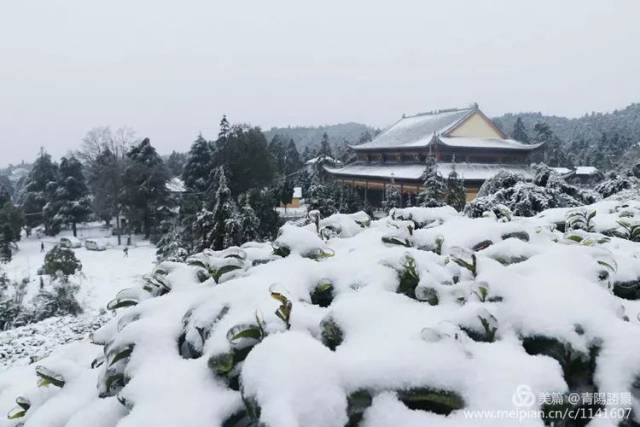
222,364
120,354
16,413
121,303
47,376
23,402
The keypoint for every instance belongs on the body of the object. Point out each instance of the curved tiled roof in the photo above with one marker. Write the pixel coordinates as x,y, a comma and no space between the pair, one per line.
417,131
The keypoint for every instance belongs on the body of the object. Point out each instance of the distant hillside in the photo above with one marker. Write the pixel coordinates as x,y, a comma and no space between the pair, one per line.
590,138
309,136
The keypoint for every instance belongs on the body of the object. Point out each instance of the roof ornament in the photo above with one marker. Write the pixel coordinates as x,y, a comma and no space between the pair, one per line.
475,106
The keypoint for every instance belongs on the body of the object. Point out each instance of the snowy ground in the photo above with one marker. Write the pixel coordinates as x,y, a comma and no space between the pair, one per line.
422,318
104,273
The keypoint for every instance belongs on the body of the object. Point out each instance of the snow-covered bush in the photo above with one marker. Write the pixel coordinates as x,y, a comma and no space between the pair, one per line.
613,184
59,300
61,260
459,316
523,198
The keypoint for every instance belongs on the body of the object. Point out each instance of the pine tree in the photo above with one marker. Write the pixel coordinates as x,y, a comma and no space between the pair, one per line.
519,131
249,221
278,153
264,201
223,211
6,239
246,159
104,177
325,147
144,187
44,171
455,192
71,196
433,192
224,127
198,166
350,200
202,231
392,197
292,159
286,192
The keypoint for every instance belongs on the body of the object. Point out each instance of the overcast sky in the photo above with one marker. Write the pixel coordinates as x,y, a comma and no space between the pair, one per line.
170,69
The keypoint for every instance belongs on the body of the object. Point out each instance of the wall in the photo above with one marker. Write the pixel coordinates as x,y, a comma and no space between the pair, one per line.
476,126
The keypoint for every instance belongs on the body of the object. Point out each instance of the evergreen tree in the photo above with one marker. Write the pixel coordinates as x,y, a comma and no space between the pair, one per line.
325,147
433,192
278,153
176,162
350,200
455,192
323,198
198,166
264,201
246,159
519,131
286,192
44,171
61,260
6,239
202,231
104,177
223,211
293,163
308,153
13,217
224,127
144,187
392,197
71,196
249,221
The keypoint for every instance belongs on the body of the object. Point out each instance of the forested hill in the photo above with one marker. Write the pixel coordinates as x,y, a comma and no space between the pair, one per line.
309,136
613,135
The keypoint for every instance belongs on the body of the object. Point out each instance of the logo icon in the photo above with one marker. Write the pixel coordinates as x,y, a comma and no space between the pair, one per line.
523,396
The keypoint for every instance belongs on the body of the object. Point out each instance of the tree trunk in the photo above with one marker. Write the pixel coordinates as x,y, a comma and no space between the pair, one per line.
118,230
75,229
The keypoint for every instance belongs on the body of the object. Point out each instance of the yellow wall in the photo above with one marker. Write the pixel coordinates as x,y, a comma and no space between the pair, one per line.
476,126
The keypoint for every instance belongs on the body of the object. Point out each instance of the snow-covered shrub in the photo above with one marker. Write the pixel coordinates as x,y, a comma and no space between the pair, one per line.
323,198
63,260
614,184
59,300
523,198
353,339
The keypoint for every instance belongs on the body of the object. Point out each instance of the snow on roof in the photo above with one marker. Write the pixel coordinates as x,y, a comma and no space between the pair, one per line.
467,171
586,170
417,131
562,171
480,171
319,158
509,144
175,185
297,192
388,171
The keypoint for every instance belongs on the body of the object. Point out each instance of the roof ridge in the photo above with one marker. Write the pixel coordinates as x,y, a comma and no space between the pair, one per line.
436,112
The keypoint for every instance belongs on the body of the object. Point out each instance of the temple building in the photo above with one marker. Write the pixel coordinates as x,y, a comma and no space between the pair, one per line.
462,139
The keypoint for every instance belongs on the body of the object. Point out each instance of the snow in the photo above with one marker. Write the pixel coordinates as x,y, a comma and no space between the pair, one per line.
297,192
104,273
176,185
586,170
523,277
467,171
507,144
397,170
416,131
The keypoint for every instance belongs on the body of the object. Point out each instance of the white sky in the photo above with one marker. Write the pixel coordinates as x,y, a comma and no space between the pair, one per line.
170,69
